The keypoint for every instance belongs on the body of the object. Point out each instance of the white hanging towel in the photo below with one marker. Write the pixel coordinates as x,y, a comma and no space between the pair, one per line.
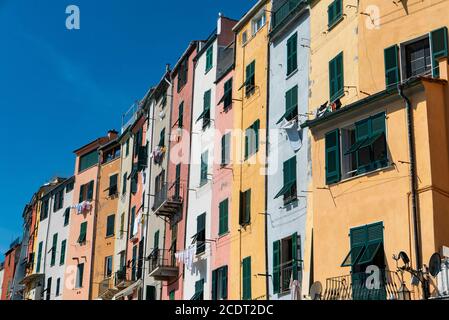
295,289
294,134
136,223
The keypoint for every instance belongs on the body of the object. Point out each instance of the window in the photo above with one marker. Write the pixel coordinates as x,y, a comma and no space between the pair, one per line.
58,287
83,233
227,97
223,226
205,115
88,160
178,182
220,283
204,168
259,22
39,257
286,262
150,293
291,105
113,185
70,186
53,249
252,139
48,290
226,149
336,80
110,225
111,154
66,217
199,290
334,13
181,115
183,74
200,236
418,60
162,138
87,192
289,190
108,267
246,265
292,54
244,37
368,151
44,209
125,179
63,249
209,58
127,147
132,222
122,225
58,200
134,264
245,208
250,82
79,276
156,240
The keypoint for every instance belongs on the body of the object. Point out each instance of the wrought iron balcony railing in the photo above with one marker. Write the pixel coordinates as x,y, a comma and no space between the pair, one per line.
383,285
168,199
162,264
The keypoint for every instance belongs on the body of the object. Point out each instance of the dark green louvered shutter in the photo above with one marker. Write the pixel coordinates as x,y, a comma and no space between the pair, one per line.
391,59
90,191
53,249
256,128
276,267
248,206
209,58
66,217
156,240
336,77
81,197
333,173
295,256
330,15
63,249
227,93
39,257
83,233
247,278
378,136
362,132
224,282
181,115
133,217
214,284
223,217
110,225
292,50
438,40
178,181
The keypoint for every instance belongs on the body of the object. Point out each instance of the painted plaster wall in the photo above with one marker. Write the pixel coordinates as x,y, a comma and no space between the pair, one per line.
284,221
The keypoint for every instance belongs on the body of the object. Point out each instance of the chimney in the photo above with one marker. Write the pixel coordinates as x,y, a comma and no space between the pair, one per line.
444,68
112,134
220,16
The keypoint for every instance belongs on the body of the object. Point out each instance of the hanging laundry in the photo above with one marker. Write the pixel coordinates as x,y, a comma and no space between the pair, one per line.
295,289
295,135
82,207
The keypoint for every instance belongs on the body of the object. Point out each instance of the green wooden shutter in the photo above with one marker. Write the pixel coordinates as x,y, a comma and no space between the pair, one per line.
181,115
39,257
83,233
292,50
362,132
276,267
110,225
53,249
209,58
81,197
178,181
90,191
438,40
223,150
330,14
66,216
248,206
336,80
133,217
156,240
247,278
214,284
256,128
391,59
63,248
228,93
223,217
333,173
224,282
295,257
162,138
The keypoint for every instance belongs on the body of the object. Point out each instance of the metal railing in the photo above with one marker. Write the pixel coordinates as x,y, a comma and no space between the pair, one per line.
383,285
120,276
170,192
283,12
160,258
286,274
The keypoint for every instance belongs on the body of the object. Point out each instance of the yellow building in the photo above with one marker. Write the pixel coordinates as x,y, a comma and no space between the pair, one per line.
248,259
380,157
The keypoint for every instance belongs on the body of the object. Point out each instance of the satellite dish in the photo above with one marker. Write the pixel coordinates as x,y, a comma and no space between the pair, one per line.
315,290
404,257
435,264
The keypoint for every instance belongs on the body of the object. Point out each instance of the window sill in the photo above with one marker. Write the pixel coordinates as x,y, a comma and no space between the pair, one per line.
390,166
291,74
110,236
222,235
335,23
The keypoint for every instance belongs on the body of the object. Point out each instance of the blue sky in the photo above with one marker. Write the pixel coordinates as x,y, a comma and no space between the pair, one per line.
59,89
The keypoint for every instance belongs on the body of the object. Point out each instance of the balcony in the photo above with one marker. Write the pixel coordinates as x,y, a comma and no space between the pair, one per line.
121,279
363,286
106,290
168,200
281,15
162,265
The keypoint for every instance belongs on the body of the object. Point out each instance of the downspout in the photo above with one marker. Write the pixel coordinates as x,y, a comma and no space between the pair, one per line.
94,236
413,183
267,271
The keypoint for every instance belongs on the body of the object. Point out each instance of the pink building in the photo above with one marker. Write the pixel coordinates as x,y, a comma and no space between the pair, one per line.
82,221
222,176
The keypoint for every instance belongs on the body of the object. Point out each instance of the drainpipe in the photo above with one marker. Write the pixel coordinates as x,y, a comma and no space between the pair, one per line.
267,271
413,183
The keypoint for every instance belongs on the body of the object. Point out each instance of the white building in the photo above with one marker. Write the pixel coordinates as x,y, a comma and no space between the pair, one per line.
289,165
